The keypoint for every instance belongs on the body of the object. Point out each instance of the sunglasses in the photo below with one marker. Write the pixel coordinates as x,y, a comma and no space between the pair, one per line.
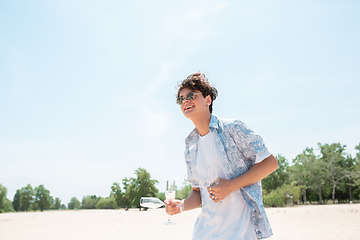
189,96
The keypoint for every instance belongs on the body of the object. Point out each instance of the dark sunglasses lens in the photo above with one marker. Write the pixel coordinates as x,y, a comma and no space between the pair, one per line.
190,96
179,101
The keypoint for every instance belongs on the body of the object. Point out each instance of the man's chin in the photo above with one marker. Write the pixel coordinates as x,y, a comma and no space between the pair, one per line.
188,115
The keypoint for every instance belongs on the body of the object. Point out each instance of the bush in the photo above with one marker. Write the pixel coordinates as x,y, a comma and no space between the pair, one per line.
7,206
284,195
107,203
74,203
161,196
89,202
184,192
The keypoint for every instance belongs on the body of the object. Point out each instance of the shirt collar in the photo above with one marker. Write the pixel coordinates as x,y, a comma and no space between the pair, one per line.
214,122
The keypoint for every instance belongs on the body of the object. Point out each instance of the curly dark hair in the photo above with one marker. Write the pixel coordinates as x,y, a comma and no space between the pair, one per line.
198,81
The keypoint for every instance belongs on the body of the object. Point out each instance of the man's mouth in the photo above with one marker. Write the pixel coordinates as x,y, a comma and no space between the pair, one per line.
188,107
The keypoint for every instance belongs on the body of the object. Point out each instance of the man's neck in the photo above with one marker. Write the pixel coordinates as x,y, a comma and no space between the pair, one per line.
202,124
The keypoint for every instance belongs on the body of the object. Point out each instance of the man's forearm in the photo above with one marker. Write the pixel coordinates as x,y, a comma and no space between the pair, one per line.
193,200
255,173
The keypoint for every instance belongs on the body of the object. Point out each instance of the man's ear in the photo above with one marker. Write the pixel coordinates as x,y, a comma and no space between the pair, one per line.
208,100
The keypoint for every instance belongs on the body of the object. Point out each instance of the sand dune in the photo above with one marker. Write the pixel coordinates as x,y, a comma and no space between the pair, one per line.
304,222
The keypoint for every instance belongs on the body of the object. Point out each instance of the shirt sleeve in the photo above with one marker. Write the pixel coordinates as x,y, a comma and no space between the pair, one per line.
261,156
249,143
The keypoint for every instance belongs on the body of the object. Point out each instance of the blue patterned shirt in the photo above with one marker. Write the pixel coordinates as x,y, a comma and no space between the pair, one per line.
239,149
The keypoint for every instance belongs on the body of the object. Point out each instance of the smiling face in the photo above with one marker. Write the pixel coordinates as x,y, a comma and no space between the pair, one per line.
196,108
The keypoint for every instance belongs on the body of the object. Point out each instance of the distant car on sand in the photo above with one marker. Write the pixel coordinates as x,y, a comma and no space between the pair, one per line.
151,202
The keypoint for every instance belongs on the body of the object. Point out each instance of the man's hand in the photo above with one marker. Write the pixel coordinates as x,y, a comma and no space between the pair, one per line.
220,189
223,187
172,207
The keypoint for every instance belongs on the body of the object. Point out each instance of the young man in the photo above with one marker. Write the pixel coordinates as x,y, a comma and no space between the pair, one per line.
225,162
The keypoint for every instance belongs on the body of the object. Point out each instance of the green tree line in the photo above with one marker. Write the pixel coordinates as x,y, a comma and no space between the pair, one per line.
126,196
39,198
28,199
332,175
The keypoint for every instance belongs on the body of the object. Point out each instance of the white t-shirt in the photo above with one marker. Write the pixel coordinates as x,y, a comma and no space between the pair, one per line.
228,219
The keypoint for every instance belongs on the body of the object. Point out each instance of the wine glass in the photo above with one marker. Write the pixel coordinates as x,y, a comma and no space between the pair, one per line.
150,202
170,194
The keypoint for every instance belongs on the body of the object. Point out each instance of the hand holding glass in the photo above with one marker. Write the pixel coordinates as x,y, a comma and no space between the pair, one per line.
170,194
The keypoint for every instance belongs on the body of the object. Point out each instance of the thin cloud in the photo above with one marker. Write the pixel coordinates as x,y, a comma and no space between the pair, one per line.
183,23
208,9
163,75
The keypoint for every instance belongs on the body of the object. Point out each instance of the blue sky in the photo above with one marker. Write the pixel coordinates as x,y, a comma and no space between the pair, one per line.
87,87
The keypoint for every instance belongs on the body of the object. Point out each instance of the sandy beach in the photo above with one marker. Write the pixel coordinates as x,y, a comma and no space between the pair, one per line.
302,222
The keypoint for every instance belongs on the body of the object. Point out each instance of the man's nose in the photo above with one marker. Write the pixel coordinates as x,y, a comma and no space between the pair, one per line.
185,101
